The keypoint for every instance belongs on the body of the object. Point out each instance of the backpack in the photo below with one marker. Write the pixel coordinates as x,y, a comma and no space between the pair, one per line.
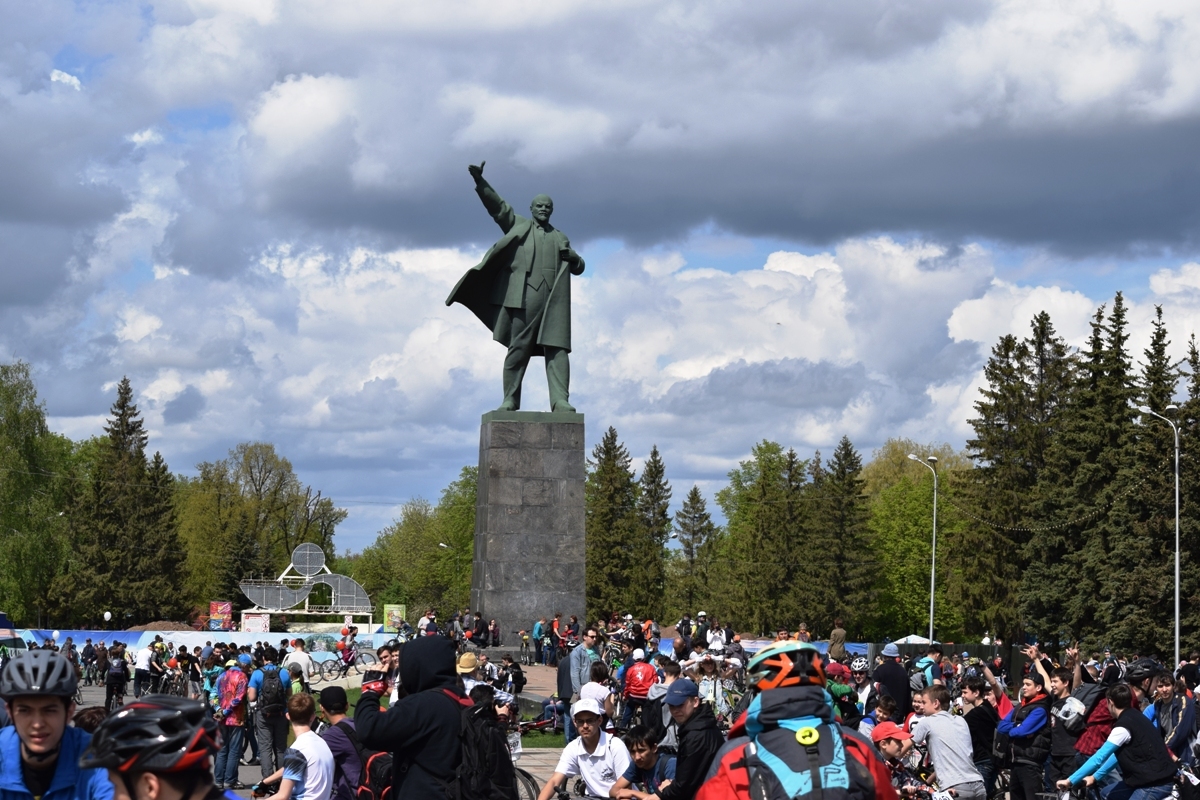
517,676
685,629
486,771
376,781
1082,702
802,758
272,697
655,631
917,679
116,669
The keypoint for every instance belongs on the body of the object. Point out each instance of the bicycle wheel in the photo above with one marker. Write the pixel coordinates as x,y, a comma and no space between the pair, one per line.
364,662
330,669
527,785
317,675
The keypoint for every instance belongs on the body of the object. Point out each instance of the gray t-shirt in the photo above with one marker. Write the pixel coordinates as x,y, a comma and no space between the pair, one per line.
949,741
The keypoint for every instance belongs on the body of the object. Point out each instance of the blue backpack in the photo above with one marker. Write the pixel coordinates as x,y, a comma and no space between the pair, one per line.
802,758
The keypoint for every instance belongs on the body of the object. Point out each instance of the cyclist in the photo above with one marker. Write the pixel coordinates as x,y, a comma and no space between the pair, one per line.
595,756
160,748
39,752
88,656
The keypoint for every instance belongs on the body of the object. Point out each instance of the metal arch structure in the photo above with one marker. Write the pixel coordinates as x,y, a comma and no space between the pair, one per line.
306,571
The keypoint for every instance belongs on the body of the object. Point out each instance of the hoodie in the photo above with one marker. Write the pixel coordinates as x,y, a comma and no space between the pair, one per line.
699,741
421,730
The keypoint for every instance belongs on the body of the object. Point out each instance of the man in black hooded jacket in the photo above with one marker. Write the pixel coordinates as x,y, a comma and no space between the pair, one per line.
421,731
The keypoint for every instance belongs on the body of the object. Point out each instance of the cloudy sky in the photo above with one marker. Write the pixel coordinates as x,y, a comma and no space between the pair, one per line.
800,219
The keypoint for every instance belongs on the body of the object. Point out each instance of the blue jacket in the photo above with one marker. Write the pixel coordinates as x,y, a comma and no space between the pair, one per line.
70,782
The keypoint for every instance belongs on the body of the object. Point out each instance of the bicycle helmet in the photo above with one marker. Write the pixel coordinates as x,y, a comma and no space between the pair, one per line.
38,672
786,663
162,733
1142,669
860,664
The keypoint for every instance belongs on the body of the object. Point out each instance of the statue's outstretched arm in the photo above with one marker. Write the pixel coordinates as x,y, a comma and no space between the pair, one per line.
496,206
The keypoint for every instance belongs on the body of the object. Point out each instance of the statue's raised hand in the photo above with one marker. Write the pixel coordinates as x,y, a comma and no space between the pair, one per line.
476,172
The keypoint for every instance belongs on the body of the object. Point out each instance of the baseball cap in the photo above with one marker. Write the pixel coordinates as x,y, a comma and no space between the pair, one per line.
888,730
701,614
965,654
334,697
467,662
245,659
836,670
231,663
586,705
891,651
681,690
639,655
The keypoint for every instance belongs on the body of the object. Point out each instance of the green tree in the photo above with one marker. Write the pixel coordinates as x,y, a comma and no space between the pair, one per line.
838,525
697,537
611,501
653,528
126,556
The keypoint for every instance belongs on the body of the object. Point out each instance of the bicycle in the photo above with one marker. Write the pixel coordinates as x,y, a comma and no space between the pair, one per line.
336,669
527,785
90,675
526,657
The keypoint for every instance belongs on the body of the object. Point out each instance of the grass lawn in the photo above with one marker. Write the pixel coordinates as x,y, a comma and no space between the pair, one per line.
542,741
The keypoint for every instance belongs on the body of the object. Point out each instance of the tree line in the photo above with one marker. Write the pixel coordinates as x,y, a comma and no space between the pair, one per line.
1055,523
103,525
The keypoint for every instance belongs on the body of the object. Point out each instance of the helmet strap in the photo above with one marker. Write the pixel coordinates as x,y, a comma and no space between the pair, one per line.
29,755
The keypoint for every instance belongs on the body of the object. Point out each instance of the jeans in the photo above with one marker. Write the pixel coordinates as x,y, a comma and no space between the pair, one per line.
537,650
569,732
1025,781
113,692
1120,791
141,680
631,703
271,734
987,769
225,772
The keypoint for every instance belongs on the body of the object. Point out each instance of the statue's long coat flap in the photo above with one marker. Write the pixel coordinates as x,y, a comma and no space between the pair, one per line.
484,288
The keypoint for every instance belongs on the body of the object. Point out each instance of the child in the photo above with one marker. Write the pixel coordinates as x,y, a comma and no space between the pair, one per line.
885,710
893,742
648,773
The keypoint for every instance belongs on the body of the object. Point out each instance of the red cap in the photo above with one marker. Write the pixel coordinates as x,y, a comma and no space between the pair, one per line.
836,670
888,730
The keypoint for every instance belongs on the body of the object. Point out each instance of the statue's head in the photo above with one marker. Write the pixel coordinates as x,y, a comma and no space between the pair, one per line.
542,207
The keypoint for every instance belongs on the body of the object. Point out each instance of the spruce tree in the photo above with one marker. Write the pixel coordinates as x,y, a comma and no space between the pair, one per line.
653,513
1189,468
611,522
696,532
844,515
1144,611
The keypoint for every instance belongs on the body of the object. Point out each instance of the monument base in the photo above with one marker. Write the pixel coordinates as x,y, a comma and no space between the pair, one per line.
529,519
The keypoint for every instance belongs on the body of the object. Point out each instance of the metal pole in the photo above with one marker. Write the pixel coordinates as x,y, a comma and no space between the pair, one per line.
1174,430
933,562
1175,666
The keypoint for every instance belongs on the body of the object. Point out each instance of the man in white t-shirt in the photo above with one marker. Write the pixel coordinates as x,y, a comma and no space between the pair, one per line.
599,758
307,772
141,670
299,656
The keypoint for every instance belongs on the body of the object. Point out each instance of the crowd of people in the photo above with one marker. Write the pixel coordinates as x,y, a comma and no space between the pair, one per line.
930,726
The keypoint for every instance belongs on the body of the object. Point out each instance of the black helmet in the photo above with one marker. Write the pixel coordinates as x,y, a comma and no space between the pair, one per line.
1142,669
162,733
33,672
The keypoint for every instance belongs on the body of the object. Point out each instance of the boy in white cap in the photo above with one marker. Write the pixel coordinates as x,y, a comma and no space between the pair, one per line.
599,758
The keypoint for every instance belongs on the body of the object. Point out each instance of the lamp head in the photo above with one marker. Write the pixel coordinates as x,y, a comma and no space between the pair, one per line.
1171,407
913,456
1145,409
443,544
932,459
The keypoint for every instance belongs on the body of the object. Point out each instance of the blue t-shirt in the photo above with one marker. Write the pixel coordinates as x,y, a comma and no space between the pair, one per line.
256,678
648,780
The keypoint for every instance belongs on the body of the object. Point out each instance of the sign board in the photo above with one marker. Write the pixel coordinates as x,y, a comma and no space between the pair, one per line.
220,615
393,616
348,620
256,623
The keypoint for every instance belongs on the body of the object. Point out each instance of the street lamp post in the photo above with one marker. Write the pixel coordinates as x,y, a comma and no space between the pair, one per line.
932,467
1175,430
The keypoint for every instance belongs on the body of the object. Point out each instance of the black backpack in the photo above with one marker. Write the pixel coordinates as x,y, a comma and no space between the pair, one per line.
517,676
272,697
376,782
485,771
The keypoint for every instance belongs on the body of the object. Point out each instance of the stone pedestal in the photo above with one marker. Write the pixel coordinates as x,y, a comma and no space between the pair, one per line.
529,519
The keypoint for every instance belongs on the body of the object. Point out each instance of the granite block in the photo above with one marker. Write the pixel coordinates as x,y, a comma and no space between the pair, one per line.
530,518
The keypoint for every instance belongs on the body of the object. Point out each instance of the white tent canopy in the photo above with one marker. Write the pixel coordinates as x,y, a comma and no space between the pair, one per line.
912,639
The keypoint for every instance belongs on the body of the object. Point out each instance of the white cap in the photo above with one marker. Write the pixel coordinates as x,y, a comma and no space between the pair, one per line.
629,616
701,614
639,655
584,705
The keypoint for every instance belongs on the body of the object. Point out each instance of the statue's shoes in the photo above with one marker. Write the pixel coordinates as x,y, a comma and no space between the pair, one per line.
563,408
507,405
